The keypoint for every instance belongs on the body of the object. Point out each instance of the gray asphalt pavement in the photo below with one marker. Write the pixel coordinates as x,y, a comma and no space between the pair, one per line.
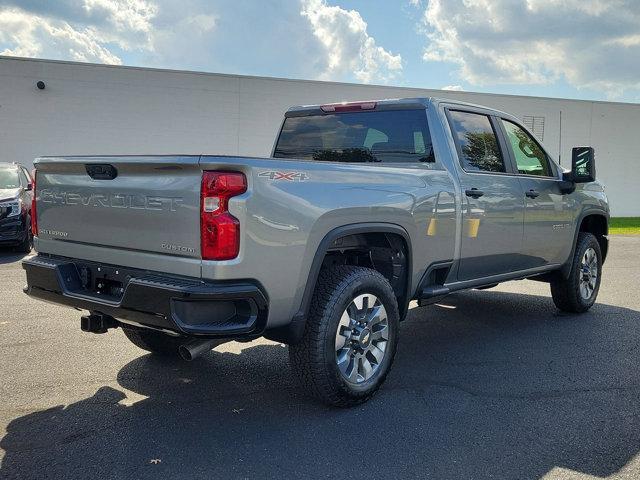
492,384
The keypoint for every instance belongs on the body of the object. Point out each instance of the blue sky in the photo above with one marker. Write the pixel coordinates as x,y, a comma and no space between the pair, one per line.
588,49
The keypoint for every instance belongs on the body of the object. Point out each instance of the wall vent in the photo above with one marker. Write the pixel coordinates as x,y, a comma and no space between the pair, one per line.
535,124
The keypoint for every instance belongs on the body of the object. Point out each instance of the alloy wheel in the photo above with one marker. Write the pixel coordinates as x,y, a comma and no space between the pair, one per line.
361,338
588,273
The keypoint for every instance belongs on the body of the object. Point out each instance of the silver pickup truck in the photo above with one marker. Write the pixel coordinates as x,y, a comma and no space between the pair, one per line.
361,208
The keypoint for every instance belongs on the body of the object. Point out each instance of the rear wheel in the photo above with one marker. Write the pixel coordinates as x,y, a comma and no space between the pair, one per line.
578,293
154,342
350,337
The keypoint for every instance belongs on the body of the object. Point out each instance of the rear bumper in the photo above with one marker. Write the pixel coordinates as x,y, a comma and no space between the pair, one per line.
181,305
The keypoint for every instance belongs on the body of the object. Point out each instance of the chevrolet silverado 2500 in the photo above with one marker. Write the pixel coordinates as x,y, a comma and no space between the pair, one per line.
361,208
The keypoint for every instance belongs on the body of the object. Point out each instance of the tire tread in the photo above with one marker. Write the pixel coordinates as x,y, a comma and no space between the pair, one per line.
307,357
565,292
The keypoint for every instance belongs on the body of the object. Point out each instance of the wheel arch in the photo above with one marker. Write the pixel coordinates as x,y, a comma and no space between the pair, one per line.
591,221
292,332
597,224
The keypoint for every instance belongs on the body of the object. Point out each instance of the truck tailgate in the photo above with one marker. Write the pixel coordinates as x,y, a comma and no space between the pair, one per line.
123,206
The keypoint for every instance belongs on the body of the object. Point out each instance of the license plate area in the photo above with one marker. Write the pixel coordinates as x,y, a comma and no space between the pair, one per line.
103,281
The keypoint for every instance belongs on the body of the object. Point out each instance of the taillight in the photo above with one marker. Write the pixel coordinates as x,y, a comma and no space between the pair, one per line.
219,230
34,215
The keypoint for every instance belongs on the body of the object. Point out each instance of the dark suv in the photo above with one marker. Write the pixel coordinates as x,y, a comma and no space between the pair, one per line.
16,189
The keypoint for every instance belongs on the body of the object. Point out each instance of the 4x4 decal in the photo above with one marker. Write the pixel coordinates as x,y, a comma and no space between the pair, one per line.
287,176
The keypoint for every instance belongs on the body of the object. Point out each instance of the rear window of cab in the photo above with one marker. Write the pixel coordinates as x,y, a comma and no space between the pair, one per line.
386,136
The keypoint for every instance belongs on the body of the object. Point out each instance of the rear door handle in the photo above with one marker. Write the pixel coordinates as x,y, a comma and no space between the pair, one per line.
474,192
532,194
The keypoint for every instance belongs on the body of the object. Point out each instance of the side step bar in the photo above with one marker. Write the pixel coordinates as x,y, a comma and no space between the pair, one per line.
434,291
432,294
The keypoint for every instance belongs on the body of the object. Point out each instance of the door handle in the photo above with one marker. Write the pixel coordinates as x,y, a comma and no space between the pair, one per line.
532,194
474,193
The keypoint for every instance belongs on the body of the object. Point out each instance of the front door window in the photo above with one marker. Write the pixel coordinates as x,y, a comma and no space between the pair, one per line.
530,158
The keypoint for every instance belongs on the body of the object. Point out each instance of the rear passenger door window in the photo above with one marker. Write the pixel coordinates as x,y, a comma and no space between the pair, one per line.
477,141
529,156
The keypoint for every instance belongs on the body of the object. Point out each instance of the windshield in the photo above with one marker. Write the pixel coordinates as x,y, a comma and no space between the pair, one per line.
378,136
9,178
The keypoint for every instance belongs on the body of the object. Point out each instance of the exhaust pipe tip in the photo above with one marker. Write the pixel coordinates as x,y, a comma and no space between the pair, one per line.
191,350
185,353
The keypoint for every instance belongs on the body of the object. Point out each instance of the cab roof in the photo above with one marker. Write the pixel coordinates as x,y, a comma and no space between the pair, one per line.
410,103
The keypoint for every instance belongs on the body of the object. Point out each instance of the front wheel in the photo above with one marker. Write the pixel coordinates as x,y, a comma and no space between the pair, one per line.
350,337
26,245
578,293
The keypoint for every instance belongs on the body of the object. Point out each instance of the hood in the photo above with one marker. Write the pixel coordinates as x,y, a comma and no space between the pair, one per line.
9,193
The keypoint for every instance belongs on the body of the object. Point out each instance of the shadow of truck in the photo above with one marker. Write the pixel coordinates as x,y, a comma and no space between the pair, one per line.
485,385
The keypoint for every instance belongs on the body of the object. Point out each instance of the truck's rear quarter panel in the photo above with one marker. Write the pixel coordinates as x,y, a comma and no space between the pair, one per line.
284,218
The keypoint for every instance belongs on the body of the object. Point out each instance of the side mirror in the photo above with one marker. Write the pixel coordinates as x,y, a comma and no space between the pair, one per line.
583,165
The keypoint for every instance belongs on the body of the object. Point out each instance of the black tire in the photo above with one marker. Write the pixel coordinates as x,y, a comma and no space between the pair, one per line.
566,293
314,359
25,246
154,342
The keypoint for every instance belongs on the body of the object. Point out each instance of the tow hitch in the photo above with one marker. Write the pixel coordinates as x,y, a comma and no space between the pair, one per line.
97,323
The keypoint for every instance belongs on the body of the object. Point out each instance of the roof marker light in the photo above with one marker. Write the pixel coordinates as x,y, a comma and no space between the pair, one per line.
348,107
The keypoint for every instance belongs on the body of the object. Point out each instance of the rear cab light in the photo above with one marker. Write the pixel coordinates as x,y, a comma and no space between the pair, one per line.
348,107
219,230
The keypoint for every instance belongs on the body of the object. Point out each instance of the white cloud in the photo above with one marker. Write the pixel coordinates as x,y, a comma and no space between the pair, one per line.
86,30
588,43
33,36
129,22
454,88
348,47
302,38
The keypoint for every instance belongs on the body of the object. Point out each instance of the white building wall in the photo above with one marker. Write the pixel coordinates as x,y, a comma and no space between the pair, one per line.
99,109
